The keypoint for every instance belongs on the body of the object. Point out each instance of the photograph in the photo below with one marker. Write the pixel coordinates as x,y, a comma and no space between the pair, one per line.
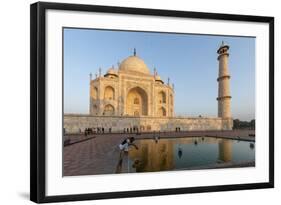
142,101
133,102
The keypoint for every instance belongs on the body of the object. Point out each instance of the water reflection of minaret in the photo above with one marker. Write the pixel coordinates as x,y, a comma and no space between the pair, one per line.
225,150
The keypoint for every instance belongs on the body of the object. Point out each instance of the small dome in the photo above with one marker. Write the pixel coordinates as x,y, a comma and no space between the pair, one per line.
158,78
134,63
111,72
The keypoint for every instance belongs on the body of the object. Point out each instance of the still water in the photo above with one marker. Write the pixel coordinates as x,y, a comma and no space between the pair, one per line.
188,153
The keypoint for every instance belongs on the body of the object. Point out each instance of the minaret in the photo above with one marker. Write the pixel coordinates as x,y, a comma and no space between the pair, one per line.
91,77
224,98
100,72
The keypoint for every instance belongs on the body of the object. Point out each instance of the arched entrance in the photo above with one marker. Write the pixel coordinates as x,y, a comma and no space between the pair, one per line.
137,102
108,110
109,93
161,97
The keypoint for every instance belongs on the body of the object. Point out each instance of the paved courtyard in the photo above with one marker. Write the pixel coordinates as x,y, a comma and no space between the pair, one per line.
99,154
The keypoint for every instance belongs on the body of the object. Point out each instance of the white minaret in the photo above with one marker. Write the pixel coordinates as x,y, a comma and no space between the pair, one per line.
224,98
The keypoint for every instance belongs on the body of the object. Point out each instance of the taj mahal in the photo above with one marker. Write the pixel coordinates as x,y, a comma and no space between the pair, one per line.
130,98
131,91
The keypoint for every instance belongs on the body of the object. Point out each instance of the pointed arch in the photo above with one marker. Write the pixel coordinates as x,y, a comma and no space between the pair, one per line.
95,93
161,97
171,100
137,102
95,110
109,93
109,110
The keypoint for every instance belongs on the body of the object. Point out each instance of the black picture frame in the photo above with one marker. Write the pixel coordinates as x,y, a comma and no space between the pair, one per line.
38,101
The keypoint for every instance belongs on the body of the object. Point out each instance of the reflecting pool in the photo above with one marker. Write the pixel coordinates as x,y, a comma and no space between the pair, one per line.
189,153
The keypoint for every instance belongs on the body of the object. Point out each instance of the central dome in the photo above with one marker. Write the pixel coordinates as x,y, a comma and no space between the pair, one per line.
134,63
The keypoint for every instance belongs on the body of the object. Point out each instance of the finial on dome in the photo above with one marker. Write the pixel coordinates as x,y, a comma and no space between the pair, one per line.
135,52
154,71
91,76
168,81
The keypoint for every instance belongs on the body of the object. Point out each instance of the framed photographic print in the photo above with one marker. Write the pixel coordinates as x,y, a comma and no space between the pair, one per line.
129,102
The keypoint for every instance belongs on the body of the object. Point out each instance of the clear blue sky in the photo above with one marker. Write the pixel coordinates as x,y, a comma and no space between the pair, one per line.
189,60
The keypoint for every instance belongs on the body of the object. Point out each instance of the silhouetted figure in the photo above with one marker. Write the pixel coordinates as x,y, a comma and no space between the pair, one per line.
179,152
156,138
252,145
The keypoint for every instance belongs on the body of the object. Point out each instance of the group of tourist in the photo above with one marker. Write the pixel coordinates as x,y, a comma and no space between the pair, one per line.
98,130
101,130
131,130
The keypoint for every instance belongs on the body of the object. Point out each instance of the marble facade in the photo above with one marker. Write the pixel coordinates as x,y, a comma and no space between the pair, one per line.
129,99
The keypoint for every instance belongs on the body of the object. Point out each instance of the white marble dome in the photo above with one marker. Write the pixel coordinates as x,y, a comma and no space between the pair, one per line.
135,64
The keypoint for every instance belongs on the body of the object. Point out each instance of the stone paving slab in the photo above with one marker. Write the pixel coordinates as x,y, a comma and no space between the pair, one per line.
98,155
